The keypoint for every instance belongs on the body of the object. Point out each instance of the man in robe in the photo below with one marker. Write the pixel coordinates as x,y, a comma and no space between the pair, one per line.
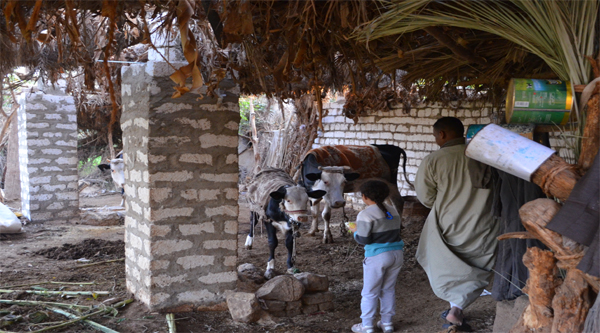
458,241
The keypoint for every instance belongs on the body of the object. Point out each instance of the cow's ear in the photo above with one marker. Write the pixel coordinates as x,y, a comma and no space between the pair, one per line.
313,176
316,194
279,194
351,176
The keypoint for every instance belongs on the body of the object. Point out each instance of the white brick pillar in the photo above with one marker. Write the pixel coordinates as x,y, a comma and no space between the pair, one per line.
47,130
181,172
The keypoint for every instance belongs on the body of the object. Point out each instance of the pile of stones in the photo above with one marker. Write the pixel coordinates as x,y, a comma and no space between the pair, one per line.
282,296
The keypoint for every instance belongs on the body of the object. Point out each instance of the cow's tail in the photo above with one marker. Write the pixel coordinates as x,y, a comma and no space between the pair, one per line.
403,153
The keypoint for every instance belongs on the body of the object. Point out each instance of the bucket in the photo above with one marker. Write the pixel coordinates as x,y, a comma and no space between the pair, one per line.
507,151
539,101
525,130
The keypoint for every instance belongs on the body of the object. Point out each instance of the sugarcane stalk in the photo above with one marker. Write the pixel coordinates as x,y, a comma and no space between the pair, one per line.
64,305
61,293
171,323
49,282
72,321
86,321
99,263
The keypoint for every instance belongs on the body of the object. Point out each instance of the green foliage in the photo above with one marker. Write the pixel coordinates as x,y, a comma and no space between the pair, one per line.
260,106
89,166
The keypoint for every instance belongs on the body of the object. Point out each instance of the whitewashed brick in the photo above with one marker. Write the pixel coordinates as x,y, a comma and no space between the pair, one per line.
197,229
162,247
230,227
177,176
210,140
222,210
165,213
202,124
166,280
213,278
196,158
189,262
52,151
231,158
160,194
224,244
196,296
224,177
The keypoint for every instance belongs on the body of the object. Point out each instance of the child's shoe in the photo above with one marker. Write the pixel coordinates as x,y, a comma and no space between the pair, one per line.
386,328
359,328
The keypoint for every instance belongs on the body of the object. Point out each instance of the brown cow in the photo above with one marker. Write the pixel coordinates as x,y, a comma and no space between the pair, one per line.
338,169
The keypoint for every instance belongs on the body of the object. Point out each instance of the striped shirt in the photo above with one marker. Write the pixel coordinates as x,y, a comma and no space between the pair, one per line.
377,233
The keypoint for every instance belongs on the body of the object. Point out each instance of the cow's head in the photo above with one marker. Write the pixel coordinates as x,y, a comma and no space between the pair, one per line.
294,201
332,179
117,171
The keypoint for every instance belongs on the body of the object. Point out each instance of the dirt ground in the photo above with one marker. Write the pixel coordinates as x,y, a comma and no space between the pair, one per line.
49,252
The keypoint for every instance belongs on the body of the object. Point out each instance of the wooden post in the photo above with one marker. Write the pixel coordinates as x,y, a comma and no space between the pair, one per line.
556,177
590,143
571,303
540,287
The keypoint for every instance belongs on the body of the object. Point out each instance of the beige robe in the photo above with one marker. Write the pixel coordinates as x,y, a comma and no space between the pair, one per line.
458,240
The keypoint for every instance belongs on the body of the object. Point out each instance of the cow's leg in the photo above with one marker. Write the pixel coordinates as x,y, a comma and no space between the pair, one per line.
289,244
314,212
272,238
250,237
396,200
327,237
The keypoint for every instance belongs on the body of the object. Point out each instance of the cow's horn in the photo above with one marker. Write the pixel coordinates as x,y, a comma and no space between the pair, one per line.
347,168
320,168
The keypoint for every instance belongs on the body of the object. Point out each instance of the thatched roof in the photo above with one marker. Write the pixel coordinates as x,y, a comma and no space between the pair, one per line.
280,48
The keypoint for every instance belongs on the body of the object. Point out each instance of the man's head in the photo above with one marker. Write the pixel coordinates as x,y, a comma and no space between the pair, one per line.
446,129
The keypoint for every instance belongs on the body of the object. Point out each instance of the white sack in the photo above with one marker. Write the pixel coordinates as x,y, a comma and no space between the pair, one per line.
9,222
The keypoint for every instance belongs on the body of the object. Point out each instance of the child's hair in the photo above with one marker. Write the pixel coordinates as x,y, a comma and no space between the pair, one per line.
377,191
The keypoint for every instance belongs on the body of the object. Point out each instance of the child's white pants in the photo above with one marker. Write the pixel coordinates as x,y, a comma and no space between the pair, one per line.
379,283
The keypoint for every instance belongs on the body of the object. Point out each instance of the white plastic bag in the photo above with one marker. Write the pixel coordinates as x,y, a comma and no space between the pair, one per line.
9,222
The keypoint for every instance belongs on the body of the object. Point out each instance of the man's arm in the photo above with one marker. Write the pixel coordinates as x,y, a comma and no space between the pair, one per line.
425,184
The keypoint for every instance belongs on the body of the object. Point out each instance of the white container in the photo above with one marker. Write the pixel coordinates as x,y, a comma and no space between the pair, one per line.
507,151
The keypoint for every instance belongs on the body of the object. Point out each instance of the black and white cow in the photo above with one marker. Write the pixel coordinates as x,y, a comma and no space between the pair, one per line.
117,172
338,169
281,204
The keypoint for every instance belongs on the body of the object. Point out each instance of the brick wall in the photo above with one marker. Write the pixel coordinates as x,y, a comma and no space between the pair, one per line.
181,174
48,155
411,132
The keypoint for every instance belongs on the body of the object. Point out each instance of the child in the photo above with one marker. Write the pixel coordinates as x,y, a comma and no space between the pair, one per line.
378,228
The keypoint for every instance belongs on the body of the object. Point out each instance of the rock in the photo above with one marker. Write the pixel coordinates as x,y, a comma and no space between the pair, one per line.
508,313
326,306
281,288
244,307
293,313
308,309
279,313
313,282
289,306
272,306
317,298
102,217
249,272
250,278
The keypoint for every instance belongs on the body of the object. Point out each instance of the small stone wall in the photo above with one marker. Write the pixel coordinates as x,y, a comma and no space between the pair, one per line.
181,174
48,155
411,131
